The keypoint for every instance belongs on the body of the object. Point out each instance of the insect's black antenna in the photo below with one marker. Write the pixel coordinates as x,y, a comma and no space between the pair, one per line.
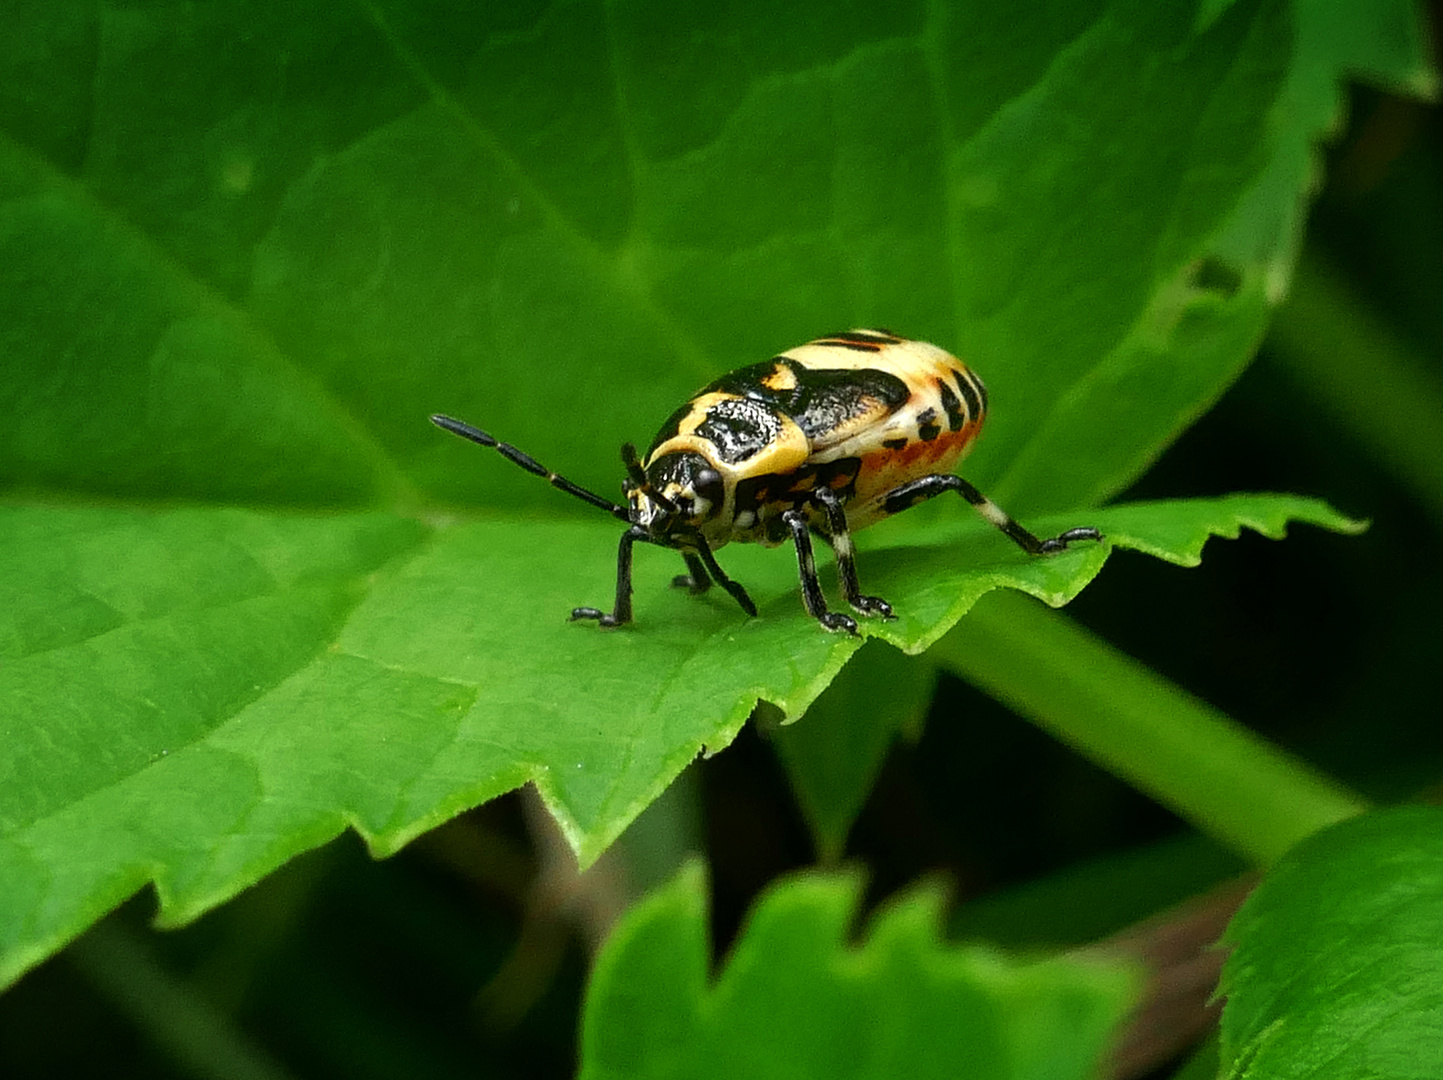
530,464
638,477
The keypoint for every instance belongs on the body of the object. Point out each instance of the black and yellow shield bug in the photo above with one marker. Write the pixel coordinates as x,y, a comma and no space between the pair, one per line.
826,438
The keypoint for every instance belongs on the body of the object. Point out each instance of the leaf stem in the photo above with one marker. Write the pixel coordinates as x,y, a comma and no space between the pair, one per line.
1233,785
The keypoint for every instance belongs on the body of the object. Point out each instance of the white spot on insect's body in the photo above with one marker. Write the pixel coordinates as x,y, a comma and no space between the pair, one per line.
746,519
842,545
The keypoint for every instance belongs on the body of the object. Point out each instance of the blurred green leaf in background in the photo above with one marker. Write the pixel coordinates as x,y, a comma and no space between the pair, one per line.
796,999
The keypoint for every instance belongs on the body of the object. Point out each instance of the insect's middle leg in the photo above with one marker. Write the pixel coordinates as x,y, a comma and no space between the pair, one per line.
840,537
910,494
812,598
703,569
696,580
706,562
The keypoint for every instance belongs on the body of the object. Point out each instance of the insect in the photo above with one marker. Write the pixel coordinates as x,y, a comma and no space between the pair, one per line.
825,439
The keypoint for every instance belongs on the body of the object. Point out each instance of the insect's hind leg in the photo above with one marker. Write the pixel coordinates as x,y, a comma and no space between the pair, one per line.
910,494
840,537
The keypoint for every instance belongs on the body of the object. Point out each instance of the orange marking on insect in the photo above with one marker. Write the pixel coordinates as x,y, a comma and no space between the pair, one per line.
885,469
848,343
782,378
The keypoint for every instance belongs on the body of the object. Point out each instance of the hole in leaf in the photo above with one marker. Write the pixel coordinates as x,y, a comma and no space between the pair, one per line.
1211,274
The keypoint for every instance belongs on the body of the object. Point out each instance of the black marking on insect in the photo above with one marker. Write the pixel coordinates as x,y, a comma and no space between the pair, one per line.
825,439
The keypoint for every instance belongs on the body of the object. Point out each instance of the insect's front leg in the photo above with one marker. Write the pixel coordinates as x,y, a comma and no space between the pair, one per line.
619,615
812,598
840,537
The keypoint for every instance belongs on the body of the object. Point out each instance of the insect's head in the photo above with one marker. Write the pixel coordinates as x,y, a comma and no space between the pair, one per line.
676,494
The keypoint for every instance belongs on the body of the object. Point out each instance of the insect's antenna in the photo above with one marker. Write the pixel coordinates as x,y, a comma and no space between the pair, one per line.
530,464
638,477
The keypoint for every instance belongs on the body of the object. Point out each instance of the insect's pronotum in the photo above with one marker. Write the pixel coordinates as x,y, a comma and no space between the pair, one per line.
826,438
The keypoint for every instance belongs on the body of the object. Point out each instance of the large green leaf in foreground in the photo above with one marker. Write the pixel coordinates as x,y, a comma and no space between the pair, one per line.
1336,969
361,670
246,248
795,998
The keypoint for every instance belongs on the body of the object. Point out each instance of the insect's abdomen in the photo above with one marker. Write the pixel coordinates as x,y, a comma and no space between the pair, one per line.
928,430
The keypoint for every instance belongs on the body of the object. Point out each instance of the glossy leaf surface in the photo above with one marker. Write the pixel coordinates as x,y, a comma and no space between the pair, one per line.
1335,969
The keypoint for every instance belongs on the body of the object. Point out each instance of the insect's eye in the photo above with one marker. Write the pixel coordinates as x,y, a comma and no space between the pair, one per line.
707,483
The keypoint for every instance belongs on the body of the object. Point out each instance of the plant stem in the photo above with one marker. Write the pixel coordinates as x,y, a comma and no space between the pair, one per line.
1233,785
1380,388
203,1040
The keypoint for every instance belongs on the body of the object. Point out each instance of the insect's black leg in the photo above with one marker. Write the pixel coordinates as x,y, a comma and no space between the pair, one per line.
840,538
696,579
926,487
812,598
738,593
621,613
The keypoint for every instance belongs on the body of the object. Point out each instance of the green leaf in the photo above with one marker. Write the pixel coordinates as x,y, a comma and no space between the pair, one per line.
483,213
797,999
1267,224
1335,970
164,707
245,249
220,690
